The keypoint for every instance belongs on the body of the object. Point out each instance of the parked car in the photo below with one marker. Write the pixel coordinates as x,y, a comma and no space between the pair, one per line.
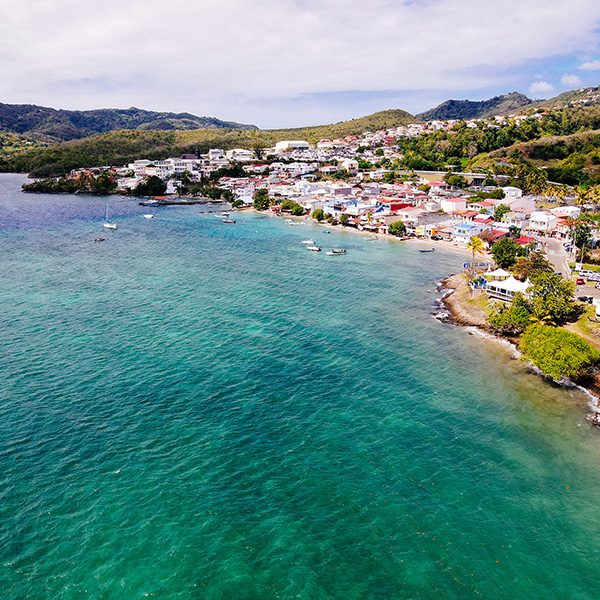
580,281
597,286
587,299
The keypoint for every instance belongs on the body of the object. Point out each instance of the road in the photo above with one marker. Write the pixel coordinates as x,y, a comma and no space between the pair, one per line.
558,257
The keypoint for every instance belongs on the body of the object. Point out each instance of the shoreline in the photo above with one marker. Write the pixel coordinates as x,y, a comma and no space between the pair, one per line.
463,314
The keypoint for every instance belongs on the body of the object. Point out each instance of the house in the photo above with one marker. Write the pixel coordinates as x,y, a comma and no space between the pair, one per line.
464,232
505,289
543,222
450,205
289,145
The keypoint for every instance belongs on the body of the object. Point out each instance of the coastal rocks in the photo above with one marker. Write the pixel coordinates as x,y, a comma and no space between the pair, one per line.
460,310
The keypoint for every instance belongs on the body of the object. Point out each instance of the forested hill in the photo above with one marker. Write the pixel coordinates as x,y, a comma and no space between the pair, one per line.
45,124
467,109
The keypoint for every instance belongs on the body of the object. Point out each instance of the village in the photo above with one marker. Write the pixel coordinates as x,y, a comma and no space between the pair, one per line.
349,182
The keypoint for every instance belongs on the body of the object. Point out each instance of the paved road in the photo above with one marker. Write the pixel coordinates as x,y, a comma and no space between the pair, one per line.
555,252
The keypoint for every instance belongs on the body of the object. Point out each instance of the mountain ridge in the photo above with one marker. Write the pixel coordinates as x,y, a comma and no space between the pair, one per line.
50,125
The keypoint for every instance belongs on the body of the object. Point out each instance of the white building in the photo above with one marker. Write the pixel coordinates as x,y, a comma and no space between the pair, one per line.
287,146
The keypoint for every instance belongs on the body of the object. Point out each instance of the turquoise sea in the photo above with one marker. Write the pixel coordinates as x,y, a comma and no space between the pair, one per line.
196,410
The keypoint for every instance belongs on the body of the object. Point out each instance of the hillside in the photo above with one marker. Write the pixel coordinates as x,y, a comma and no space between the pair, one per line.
581,97
43,124
121,147
467,109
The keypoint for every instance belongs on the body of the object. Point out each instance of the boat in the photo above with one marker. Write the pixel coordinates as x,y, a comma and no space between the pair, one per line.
325,231
427,250
371,238
295,223
228,220
335,251
99,239
310,242
107,224
313,248
148,216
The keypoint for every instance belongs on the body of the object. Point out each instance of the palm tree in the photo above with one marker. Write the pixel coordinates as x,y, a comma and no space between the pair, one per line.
475,245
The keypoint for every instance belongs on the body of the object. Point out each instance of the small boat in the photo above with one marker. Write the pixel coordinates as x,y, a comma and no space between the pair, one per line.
107,224
427,250
310,242
313,248
148,216
335,251
295,223
371,238
99,239
325,231
228,220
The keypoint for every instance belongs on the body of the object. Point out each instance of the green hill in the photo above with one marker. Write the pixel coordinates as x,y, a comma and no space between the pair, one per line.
467,109
42,124
121,147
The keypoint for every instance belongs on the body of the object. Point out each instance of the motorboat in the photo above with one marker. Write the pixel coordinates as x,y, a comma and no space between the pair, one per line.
310,242
313,248
335,251
148,216
427,250
100,239
228,220
325,231
107,224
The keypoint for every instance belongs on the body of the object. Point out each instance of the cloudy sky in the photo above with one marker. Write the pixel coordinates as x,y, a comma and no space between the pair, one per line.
284,63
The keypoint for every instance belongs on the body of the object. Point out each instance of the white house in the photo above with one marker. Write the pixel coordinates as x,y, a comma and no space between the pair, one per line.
543,222
289,145
453,204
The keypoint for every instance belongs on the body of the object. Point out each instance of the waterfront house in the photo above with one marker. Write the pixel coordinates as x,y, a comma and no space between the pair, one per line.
505,289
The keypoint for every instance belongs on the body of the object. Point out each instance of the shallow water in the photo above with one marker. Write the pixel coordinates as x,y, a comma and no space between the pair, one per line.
193,409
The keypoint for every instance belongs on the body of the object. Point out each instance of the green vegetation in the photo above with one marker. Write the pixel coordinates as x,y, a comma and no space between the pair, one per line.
153,186
500,211
293,207
318,214
559,353
467,109
118,148
261,199
85,183
506,252
51,125
398,228
527,267
511,319
344,218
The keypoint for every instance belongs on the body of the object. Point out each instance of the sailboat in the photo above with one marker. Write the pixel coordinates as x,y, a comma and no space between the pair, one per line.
107,224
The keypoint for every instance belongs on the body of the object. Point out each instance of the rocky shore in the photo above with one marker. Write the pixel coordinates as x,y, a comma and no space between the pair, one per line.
463,311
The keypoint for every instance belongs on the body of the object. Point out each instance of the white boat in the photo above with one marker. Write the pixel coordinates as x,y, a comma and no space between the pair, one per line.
310,242
107,224
335,251
371,238
313,248
148,216
295,222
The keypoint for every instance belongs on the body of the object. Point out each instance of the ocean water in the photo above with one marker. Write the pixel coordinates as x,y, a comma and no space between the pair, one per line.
198,410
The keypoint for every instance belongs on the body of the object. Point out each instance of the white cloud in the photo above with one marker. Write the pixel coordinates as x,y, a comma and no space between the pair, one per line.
570,80
590,66
233,54
540,88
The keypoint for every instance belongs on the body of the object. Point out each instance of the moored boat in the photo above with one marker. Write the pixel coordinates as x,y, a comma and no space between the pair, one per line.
310,242
335,251
427,250
228,220
313,248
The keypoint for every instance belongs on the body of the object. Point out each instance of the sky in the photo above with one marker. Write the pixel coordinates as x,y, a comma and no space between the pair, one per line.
291,63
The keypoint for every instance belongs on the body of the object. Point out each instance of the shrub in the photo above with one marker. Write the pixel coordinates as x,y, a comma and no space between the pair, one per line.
557,352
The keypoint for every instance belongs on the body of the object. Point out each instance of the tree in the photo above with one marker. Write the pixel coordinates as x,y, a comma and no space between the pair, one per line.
261,199
557,352
475,245
528,266
500,211
511,319
344,218
318,214
506,251
397,228
551,296
154,186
